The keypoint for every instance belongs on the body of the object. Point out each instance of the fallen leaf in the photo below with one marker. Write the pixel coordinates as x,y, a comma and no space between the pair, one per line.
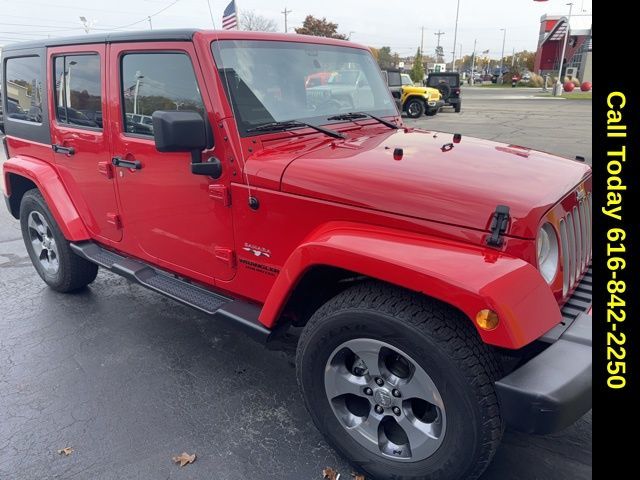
357,476
330,474
66,451
184,459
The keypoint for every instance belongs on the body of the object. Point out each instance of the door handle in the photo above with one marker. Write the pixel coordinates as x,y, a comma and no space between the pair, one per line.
62,149
119,162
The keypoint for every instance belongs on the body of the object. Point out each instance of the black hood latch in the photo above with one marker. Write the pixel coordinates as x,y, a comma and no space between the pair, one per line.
499,224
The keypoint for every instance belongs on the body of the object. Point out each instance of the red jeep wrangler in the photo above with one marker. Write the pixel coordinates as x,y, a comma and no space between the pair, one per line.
443,283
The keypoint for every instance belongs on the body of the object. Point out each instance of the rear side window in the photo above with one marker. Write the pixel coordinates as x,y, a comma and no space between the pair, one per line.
24,89
78,97
156,81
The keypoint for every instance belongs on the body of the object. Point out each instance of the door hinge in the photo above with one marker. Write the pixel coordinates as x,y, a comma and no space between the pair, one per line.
114,219
498,227
105,169
226,255
221,193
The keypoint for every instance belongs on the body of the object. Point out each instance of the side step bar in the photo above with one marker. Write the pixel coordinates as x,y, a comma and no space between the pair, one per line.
239,313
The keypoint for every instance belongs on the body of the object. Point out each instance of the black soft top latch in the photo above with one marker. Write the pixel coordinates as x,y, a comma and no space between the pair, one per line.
499,224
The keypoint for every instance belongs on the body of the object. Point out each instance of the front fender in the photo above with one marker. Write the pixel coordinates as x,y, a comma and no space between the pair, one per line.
468,277
44,176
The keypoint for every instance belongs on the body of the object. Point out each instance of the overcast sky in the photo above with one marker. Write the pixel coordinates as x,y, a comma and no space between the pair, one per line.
371,22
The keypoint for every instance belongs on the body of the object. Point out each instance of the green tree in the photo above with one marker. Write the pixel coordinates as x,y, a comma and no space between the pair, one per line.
320,27
385,58
417,72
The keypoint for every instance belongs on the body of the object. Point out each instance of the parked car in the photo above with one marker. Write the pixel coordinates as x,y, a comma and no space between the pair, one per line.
345,89
449,85
440,294
417,99
394,82
318,78
414,100
13,110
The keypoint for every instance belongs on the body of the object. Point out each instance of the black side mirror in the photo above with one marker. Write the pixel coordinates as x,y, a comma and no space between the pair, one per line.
179,131
184,131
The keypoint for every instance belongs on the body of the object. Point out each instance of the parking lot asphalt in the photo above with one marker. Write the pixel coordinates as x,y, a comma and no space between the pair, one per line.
129,379
519,116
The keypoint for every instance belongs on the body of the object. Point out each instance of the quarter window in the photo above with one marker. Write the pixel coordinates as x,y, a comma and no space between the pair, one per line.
157,81
24,89
78,97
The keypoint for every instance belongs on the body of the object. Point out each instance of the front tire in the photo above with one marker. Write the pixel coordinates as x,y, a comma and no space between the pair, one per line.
415,108
400,384
49,251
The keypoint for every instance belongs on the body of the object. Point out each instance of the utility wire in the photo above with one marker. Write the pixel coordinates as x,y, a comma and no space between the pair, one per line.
146,19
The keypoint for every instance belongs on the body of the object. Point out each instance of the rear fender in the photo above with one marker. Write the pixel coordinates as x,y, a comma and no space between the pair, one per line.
470,278
48,182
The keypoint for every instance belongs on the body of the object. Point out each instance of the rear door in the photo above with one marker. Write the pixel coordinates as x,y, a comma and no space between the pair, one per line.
172,217
76,76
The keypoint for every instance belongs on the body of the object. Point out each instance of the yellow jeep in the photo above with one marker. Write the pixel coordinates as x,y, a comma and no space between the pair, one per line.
417,100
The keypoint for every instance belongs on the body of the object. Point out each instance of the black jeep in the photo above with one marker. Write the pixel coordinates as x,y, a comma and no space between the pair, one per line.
449,85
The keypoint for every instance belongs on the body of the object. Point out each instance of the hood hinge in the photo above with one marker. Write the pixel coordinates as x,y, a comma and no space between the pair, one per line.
499,224
220,193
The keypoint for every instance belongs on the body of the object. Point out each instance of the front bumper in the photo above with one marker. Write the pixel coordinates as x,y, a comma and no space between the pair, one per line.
435,104
553,389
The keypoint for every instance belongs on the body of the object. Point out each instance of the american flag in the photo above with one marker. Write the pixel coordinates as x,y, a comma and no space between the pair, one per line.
229,17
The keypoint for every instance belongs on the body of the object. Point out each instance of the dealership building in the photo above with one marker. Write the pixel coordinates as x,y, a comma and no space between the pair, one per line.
577,58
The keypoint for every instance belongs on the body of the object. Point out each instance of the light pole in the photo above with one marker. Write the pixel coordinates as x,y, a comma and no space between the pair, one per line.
68,83
504,37
557,88
286,13
139,77
473,62
86,24
455,38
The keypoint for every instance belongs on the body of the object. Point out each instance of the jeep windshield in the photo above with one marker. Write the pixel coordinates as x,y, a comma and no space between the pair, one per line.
270,82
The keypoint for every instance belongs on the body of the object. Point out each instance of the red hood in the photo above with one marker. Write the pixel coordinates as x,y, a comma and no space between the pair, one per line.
461,186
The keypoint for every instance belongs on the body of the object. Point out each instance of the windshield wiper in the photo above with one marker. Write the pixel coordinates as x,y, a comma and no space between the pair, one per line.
275,126
356,115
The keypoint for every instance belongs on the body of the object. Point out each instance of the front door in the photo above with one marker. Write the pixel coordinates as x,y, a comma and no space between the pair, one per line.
170,216
79,137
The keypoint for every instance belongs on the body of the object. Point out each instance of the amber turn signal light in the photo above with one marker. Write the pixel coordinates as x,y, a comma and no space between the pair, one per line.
487,319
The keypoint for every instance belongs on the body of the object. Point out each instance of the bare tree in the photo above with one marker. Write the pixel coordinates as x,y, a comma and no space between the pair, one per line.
250,20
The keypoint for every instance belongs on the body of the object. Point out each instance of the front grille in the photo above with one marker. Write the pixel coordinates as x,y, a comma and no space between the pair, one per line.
575,241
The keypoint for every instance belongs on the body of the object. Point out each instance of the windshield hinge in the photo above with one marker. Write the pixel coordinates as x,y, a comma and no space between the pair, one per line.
499,224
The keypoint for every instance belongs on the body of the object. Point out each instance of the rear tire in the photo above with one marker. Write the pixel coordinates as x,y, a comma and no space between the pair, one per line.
49,251
408,326
457,107
415,108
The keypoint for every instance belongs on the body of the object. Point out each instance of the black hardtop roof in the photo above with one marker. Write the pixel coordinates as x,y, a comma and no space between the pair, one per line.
182,34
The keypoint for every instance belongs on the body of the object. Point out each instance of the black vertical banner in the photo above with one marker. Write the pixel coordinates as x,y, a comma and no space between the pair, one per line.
616,240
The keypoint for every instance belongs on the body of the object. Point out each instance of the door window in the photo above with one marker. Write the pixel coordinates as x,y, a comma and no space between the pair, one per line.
156,81
78,89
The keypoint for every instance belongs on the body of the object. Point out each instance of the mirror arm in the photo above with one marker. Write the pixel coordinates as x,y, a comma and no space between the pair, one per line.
196,156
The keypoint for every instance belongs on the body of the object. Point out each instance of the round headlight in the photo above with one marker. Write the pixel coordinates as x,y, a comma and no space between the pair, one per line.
547,251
